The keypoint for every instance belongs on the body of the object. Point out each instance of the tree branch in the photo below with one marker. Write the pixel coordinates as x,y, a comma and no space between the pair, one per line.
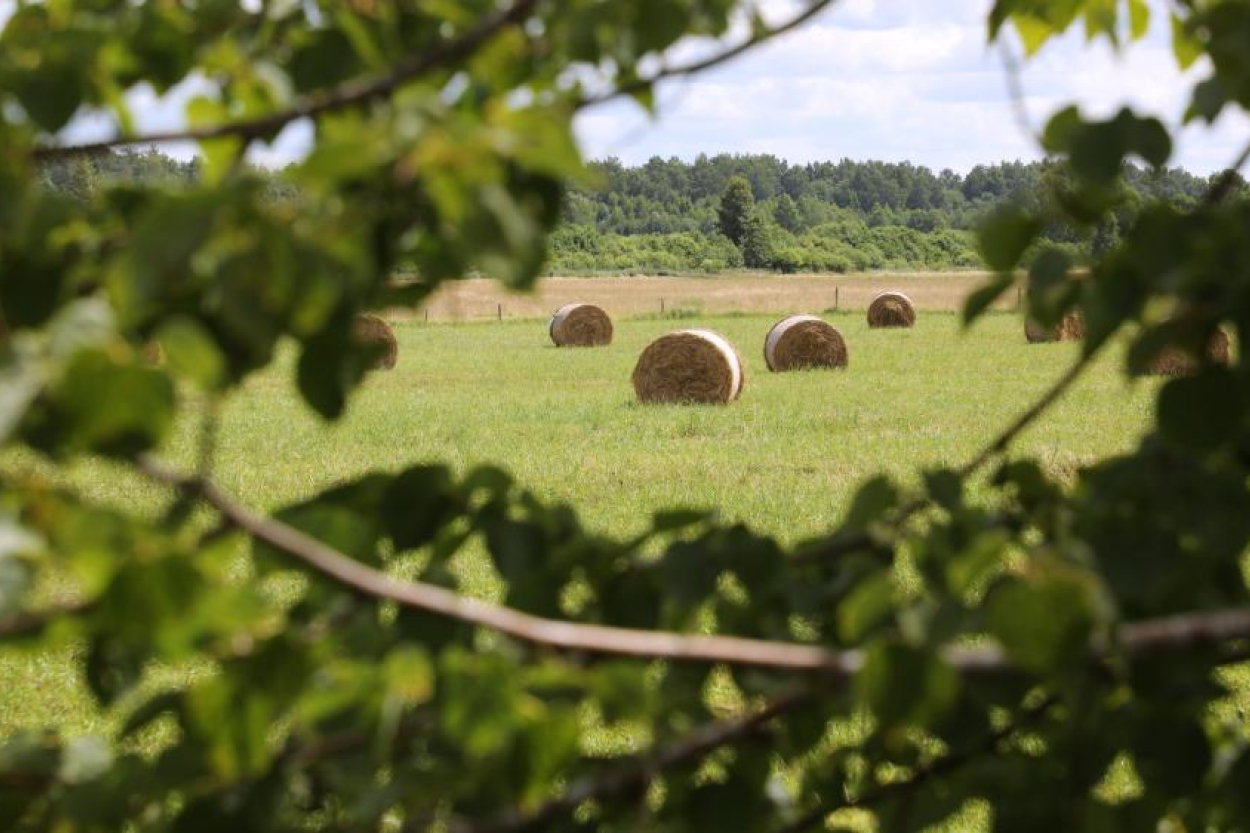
696,67
1148,637
346,94
597,639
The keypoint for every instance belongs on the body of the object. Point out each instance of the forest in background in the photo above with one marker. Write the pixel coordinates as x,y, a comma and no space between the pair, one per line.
663,217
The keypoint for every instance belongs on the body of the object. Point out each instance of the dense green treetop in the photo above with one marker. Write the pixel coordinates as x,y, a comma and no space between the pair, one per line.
1016,641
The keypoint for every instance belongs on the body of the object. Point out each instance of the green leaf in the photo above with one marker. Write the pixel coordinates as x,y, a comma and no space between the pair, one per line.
1201,413
409,675
945,487
875,498
103,407
1139,18
417,504
1185,46
1061,129
689,573
192,353
50,94
1033,33
220,155
1004,235
674,520
904,685
1043,620
1172,754
1152,142
1209,100
870,604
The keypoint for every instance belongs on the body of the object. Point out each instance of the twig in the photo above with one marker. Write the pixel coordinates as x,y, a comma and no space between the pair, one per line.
1015,91
1052,395
696,67
346,94
640,773
1151,636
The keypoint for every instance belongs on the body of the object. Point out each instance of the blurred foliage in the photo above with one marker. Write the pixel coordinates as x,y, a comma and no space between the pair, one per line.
990,647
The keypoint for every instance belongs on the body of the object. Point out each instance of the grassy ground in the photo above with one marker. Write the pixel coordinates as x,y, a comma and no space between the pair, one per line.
785,458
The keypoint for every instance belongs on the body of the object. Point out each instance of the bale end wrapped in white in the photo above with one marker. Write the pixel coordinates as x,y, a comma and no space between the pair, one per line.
804,341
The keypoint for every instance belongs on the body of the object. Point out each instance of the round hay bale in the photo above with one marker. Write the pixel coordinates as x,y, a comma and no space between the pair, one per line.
1172,361
1071,328
891,309
372,331
689,367
804,341
580,325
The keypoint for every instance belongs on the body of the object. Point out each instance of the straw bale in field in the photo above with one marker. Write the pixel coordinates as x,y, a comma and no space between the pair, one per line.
373,331
891,309
804,341
580,325
689,366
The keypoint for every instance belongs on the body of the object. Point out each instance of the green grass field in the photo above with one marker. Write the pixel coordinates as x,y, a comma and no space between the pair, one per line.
785,458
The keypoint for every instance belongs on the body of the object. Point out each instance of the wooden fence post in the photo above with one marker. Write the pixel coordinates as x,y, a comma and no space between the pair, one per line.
661,306
837,300
501,312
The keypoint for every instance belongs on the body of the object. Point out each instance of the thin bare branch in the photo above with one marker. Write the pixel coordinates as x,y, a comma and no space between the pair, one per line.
597,639
694,68
347,94
1153,636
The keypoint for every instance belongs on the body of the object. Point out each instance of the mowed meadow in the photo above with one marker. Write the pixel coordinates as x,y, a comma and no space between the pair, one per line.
785,459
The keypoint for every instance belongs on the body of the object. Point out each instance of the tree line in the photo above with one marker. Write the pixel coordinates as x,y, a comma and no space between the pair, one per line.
667,216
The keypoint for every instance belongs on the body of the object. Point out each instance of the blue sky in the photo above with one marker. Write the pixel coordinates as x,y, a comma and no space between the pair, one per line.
898,80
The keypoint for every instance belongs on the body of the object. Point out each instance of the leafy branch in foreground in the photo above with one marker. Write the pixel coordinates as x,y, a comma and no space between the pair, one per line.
326,669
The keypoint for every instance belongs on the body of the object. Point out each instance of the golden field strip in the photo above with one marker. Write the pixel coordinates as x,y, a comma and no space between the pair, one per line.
480,298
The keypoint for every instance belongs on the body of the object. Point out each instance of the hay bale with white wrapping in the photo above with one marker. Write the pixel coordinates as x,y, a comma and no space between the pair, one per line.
891,309
1173,361
580,325
689,367
376,334
804,341
1071,328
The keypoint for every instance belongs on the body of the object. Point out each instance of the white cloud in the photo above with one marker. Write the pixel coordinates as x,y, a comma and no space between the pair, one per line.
910,80
900,80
